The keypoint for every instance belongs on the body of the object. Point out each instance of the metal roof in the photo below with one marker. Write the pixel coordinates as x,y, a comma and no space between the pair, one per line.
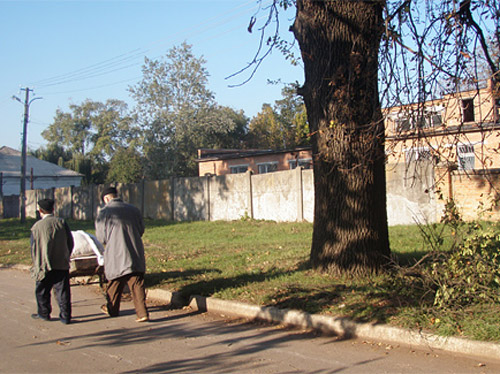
227,154
10,166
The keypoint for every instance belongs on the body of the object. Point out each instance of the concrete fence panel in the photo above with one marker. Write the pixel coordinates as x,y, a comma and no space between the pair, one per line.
190,199
229,197
158,200
275,196
132,193
410,197
279,196
64,202
308,194
32,196
11,206
83,203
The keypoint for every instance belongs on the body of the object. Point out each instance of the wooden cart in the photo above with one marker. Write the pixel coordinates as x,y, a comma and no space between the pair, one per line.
86,267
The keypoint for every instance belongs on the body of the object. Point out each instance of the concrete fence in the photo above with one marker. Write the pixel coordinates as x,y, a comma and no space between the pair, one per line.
284,196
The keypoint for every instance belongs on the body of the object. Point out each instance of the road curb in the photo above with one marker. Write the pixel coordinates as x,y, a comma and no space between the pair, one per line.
340,326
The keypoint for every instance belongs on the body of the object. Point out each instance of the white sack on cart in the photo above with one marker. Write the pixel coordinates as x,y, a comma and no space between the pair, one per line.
87,245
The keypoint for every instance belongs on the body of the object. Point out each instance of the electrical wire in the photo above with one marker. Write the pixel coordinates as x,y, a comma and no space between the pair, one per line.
116,64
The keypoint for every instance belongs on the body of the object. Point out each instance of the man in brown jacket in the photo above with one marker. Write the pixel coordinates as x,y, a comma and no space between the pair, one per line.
51,246
119,226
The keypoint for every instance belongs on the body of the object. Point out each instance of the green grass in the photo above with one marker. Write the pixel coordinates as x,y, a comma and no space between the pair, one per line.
266,263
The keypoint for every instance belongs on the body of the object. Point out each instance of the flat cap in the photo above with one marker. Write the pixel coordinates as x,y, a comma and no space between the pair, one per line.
46,204
107,191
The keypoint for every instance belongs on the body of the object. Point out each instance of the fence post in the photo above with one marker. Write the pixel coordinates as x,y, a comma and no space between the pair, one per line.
71,207
250,193
207,197
172,197
300,194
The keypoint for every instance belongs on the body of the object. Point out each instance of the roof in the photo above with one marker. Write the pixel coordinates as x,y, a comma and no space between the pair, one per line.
10,166
227,154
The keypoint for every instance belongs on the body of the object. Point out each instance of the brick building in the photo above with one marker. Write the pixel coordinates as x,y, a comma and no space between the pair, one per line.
459,135
258,161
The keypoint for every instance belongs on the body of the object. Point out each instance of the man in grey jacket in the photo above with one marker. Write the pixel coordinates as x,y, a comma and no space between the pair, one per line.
51,246
119,226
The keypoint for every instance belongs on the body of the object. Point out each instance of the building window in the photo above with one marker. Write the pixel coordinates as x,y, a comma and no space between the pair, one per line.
431,117
465,156
237,169
267,167
417,154
403,124
305,163
468,110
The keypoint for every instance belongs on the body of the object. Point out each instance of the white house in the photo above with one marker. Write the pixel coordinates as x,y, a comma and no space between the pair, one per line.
39,174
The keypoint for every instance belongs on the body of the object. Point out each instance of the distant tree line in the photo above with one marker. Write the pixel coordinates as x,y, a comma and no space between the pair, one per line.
174,115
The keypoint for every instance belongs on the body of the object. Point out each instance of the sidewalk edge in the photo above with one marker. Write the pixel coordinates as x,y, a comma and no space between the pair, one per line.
336,325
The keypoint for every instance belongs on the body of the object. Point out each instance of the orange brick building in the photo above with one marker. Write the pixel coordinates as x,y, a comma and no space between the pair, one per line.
459,134
229,161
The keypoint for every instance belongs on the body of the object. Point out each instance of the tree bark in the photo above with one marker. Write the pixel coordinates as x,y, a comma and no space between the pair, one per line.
339,41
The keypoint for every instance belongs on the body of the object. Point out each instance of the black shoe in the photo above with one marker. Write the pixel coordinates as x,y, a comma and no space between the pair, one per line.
65,321
38,316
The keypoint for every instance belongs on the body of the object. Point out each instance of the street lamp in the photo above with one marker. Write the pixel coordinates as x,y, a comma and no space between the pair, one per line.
27,103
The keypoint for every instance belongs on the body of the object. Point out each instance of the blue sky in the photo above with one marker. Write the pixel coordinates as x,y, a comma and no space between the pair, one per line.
68,51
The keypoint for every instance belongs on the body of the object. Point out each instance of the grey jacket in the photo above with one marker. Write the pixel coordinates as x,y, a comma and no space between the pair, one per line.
51,246
119,226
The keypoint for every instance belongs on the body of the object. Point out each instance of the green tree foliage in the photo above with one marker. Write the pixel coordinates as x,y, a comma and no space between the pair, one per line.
293,116
126,166
91,132
53,153
265,130
72,130
177,114
282,126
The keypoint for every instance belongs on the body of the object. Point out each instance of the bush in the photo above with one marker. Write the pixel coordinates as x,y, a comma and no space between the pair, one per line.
470,273
462,267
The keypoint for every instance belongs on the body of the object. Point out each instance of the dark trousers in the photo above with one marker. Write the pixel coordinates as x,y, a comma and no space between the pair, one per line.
135,282
59,281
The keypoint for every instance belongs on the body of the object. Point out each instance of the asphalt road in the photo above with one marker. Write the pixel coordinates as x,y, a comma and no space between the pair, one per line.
184,341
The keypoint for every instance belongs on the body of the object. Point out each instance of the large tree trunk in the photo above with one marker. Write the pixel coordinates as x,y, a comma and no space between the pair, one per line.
340,42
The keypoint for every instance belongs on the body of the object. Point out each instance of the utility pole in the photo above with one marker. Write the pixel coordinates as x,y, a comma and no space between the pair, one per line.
22,195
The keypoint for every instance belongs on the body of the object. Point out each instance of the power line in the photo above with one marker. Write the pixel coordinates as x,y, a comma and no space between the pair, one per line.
115,64
94,87
88,72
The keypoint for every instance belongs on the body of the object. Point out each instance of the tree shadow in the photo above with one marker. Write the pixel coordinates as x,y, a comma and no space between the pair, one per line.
217,346
373,306
360,301
155,279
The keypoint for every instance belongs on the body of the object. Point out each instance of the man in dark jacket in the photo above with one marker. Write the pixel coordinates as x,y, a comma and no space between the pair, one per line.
51,246
119,226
